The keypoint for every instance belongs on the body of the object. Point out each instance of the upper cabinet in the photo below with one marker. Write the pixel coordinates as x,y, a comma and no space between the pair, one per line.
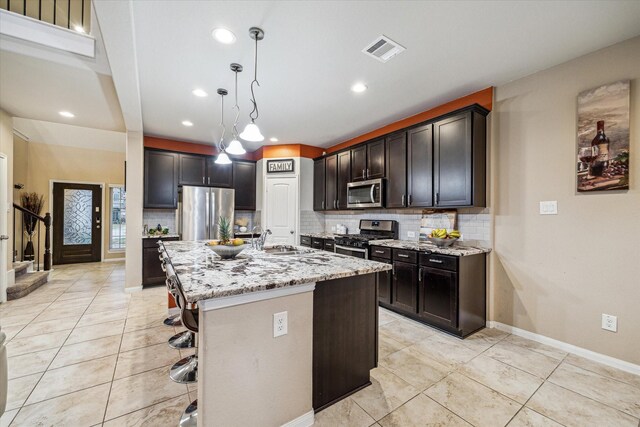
343,178
193,169
161,170
219,175
368,161
319,185
331,182
244,182
420,167
396,195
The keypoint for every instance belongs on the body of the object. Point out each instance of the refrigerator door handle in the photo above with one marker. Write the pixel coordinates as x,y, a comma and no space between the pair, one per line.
207,219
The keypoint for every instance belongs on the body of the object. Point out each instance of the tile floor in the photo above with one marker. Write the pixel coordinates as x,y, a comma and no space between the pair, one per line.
82,352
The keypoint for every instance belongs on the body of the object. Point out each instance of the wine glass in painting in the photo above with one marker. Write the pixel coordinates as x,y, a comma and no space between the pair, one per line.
588,155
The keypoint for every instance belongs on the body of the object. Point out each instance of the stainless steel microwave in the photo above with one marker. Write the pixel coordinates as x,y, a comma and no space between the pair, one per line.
365,194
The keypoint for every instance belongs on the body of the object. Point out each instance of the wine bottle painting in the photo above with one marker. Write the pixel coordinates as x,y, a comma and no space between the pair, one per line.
603,138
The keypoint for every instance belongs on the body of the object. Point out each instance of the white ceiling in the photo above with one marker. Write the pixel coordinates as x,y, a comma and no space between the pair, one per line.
311,55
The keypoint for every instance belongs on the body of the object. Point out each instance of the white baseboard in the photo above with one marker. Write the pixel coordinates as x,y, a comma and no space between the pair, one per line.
304,420
570,348
113,259
133,289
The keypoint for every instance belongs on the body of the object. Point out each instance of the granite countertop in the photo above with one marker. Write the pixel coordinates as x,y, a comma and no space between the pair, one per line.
455,250
159,236
319,235
204,275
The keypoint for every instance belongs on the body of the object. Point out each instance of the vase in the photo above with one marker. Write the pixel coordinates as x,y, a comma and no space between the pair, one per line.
29,252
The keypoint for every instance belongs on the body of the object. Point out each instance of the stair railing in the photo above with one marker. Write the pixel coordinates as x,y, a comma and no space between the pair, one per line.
37,223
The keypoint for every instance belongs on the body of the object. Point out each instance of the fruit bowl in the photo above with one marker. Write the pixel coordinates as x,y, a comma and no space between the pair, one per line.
443,243
226,251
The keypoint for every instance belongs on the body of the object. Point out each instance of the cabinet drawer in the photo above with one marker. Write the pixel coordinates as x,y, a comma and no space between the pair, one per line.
329,245
405,256
317,243
380,252
152,242
305,240
445,262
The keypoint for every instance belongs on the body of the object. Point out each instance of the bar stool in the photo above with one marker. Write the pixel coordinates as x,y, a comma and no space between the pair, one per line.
185,339
174,319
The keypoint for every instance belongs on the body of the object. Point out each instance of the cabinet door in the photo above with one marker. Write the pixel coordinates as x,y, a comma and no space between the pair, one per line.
384,283
396,171
318,185
331,182
453,161
193,170
344,173
219,175
438,296
420,166
404,294
160,180
244,182
359,163
375,159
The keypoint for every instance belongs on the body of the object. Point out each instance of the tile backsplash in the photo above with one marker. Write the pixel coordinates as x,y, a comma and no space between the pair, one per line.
164,217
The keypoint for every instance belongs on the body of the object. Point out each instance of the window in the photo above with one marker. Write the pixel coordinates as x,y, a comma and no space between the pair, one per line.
118,218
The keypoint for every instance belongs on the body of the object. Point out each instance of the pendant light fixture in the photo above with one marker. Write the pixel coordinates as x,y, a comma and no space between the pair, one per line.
223,158
251,131
235,146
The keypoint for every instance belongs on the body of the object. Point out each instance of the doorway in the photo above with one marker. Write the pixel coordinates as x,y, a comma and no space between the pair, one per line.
77,223
4,234
281,212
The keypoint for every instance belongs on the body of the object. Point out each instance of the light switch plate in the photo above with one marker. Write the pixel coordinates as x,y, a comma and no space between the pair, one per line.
411,234
279,324
549,207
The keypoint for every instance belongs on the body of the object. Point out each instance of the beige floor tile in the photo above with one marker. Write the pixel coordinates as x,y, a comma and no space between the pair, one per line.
18,346
616,394
76,302
414,367
11,331
522,358
108,316
405,332
7,417
70,296
384,317
30,363
547,350
421,411
483,339
472,401
107,307
529,418
345,413
163,414
137,310
607,371
80,408
446,350
386,393
144,359
100,330
40,328
139,391
387,346
21,307
572,409
68,379
85,351
505,379
17,320
18,390
145,322
145,338
60,313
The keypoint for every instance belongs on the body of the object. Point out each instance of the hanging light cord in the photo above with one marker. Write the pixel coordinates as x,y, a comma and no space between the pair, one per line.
237,108
255,80
221,144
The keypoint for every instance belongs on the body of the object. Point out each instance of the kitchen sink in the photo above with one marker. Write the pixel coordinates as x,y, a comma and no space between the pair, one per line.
286,250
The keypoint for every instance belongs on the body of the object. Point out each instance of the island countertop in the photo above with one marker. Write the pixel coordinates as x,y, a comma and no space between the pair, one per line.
204,275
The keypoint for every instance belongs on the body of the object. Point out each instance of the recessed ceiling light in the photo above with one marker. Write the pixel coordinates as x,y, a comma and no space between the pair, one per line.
66,114
187,123
273,139
200,93
223,35
79,29
359,87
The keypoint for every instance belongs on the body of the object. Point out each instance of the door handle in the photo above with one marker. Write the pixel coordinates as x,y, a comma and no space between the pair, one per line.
4,237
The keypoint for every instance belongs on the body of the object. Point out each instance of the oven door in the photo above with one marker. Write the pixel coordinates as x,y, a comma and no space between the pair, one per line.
365,194
356,252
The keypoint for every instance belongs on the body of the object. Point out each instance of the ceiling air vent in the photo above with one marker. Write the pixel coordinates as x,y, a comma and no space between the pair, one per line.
383,49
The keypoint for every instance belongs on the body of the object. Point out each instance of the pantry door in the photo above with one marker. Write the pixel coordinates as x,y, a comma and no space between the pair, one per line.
281,210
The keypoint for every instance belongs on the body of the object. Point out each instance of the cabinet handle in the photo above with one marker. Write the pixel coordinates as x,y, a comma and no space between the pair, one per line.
208,180
323,205
437,198
437,261
403,200
403,256
420,274
410,200
393,269
380,252
363,173
335,204
203,179
367,172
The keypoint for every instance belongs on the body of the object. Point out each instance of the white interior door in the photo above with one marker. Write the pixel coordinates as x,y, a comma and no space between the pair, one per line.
281,207
4,235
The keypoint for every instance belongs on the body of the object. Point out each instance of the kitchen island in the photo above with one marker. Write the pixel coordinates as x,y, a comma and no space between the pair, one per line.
249,377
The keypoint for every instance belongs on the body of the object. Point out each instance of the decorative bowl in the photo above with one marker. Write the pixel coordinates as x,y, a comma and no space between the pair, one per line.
226,252
442,243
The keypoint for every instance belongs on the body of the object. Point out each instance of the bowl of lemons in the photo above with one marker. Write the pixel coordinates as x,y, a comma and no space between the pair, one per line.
226,249
440,237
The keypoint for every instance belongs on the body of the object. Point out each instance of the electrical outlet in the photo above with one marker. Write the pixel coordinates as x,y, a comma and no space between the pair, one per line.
609,322
411,234
549,207
279,324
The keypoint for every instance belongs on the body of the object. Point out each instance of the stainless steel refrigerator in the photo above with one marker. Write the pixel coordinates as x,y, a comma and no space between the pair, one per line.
199,210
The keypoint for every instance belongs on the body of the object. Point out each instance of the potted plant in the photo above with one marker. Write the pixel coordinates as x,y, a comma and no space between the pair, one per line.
34,203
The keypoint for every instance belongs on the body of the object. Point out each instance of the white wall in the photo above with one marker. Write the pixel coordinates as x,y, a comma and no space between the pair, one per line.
135,172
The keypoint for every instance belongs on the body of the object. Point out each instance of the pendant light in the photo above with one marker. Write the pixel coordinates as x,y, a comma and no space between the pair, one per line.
251,131
223,158
235,146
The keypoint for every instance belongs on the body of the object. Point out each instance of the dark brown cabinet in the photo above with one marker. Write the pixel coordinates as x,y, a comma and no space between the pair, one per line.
152,273
368,161
404,293
396,153
305,241
193,169
359,163
438,296
420,167
160,179
244,182
219,175
384,283
331,182
344,173
317,243
319,201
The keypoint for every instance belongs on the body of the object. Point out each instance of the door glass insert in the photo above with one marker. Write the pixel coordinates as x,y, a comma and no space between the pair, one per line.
77,217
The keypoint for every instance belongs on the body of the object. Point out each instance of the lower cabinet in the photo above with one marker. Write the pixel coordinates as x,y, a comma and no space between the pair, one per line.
384,283
404,292
152,273
305,241
438,296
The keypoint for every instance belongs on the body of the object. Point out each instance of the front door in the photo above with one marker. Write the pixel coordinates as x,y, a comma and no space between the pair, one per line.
77,223
281,209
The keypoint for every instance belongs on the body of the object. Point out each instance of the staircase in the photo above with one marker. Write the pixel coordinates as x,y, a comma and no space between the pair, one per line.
27,280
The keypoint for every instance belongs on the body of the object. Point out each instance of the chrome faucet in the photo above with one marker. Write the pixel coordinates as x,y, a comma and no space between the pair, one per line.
259,243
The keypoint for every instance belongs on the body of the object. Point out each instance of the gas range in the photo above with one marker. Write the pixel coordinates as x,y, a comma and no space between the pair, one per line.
358,244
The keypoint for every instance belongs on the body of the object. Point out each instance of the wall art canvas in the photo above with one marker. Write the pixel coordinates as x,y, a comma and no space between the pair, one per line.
603,138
